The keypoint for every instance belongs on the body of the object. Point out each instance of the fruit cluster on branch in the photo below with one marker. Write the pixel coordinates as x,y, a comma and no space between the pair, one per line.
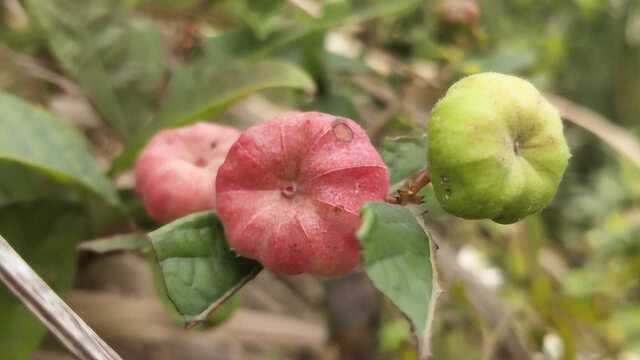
289,190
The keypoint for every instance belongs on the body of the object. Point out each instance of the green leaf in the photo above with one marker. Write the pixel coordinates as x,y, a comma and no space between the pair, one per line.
33,139
172,5
508,61
430,204
625,323
123,242
404,156
214,318
336,104
244,43
397,256
197,93
200,270
118,60
19,183
394,334
337,14
262,17
224,312
45,235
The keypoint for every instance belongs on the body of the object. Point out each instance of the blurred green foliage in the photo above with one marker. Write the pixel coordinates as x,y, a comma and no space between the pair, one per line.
37,232
572,271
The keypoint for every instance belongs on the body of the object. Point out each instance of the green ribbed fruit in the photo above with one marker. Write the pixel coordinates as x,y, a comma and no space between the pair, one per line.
496,149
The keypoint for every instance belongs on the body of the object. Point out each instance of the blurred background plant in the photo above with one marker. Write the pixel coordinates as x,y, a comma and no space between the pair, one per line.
564,284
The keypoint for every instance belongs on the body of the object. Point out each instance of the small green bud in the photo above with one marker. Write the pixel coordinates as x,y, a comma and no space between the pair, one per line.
495,149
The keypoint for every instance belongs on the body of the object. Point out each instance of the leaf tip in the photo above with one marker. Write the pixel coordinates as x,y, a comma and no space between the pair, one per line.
368,220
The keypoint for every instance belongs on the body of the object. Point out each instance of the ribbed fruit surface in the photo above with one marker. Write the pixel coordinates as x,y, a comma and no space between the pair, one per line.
176,171
290,190
496,148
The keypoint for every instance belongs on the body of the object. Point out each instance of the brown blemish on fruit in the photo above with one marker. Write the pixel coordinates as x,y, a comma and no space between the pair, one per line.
342,131
213,144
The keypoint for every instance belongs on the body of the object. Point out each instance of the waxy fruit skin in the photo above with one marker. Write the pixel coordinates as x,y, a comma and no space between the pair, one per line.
496,149
290,190
176,171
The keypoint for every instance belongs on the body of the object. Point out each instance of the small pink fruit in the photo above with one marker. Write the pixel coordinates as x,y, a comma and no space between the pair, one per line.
176,171
459,12
291,188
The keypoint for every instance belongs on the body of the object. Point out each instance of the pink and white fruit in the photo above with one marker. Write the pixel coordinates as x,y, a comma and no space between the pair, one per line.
291,188
176,171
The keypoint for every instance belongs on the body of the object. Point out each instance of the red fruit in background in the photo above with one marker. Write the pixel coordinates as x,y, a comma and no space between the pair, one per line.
290,190
459,12
176,171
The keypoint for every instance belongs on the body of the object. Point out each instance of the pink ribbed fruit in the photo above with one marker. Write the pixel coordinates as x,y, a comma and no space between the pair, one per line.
290,190
176,171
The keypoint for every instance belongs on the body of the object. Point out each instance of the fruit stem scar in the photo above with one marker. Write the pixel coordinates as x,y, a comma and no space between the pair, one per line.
342,131
516,146
289,191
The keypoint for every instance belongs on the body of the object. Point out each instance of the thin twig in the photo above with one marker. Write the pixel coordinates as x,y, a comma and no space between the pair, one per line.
18,15
488,305
425,348
38,71
492,340
426,351
408,192
617,137
68,327
310,7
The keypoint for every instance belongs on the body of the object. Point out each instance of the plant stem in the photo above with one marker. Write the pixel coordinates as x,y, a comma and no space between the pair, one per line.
54,313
